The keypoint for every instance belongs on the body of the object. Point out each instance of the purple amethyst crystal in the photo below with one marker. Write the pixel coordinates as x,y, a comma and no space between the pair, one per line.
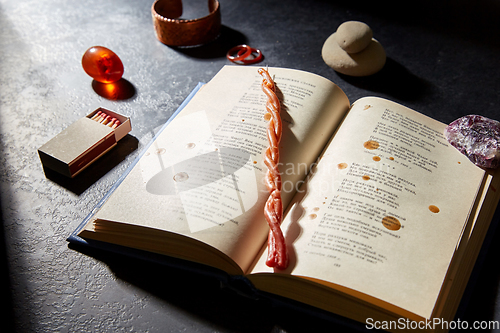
476,137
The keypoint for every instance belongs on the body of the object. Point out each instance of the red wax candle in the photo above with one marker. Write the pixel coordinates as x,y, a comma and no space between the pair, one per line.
102,64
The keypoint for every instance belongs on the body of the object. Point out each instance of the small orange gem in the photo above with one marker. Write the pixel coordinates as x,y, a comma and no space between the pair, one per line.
102,64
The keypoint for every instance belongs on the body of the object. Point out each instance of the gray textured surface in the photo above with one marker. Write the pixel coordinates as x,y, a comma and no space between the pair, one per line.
443,61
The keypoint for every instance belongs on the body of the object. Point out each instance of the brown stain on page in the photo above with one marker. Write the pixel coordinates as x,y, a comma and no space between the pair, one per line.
376,158
371,145
342,166
434,209
391,223
181,177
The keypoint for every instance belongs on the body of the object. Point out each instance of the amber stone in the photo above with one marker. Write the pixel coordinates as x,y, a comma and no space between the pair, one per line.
102,64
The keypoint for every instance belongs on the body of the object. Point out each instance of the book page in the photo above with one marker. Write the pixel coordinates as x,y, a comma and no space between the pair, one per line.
385,208
203,176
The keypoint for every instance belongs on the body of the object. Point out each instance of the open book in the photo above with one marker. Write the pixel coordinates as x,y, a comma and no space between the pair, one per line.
383,222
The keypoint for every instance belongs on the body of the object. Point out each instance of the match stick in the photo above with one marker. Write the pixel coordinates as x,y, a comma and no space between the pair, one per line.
96,115
101,117
110,123
106,120
104,116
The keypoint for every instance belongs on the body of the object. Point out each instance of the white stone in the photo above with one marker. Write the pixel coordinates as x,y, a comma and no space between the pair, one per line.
367,62
354,36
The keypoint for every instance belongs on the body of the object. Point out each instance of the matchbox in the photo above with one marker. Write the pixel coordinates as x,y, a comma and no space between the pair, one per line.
84,141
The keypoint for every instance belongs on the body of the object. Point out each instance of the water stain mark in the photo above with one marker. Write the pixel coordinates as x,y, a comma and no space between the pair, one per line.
181,177
391,223
371,145
342,166
434,209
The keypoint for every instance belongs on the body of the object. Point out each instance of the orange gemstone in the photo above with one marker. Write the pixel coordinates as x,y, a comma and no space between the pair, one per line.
102,64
